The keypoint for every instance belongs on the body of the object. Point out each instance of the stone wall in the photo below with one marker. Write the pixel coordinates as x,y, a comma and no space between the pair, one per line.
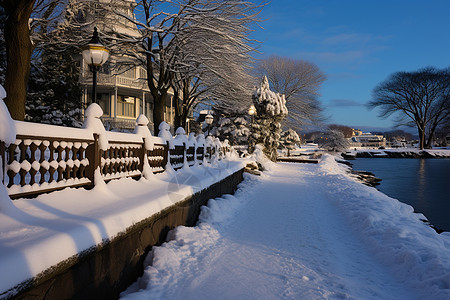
103,272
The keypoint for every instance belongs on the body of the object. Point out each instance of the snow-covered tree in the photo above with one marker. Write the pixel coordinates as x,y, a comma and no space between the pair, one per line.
300,82
289,139
271,110
236,129
333,140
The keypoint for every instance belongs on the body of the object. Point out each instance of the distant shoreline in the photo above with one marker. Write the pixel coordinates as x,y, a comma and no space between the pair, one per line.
397,153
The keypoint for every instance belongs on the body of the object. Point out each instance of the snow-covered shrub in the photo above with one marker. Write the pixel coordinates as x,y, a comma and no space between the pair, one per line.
289,139
236,129
334,140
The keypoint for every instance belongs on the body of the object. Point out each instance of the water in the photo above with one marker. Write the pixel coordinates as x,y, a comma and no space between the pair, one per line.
422,183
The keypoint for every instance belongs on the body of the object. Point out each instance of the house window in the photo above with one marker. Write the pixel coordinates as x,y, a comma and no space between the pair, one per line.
126,106
103,101
129,73
142,73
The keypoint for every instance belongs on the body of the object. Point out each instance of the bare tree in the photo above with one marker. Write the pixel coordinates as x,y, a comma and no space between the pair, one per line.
347,131
196,47
420,99
214,53
300,82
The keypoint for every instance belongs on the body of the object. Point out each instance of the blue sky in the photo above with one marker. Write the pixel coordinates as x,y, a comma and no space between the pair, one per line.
358,44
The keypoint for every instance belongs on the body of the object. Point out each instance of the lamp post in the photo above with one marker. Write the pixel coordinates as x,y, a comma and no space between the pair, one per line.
209,119
95,54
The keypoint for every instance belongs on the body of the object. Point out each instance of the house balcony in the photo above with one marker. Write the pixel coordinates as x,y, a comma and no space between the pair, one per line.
108,80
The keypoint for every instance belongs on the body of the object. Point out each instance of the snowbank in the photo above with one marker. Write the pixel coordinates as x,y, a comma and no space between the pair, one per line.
394,233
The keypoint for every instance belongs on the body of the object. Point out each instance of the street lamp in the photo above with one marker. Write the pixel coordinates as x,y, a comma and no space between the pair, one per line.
95,54
252,110
209,119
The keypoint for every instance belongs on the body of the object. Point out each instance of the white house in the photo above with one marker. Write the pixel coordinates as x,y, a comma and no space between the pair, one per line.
122,91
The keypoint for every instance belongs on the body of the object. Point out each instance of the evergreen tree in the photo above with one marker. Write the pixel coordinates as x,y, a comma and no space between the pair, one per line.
270,112
289,139
235,129
54,92
2,46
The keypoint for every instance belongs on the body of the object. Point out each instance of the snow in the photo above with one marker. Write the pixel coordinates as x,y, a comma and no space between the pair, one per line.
7,129
143,131
267,101
36,234
300,231
165,134
94,124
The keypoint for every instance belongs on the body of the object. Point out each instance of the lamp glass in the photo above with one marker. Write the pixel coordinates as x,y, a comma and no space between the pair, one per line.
95,54
209,119
252,110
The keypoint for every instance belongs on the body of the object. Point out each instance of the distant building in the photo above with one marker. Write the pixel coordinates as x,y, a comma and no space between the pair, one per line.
367,140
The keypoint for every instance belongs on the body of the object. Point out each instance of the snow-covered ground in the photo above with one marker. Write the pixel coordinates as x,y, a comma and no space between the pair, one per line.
300,231
36,234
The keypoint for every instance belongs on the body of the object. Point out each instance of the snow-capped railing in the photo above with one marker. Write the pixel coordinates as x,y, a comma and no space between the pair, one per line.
45,158
36,162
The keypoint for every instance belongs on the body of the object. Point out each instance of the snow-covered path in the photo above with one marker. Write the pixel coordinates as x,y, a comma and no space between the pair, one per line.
280,236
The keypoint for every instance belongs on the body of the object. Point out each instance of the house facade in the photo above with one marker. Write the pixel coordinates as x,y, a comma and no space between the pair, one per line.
122,90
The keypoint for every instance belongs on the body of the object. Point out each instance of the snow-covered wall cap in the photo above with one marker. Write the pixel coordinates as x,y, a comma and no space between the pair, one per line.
209,141
180,130
94,111
7,127
93,123
181,137
191,139
201,140
217,142
165,134
143,131
142,120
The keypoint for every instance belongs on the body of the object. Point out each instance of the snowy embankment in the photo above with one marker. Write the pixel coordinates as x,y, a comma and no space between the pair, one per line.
36,234
301,231
402,153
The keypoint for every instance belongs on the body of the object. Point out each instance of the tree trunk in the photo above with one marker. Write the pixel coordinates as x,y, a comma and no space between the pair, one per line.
421,138
158,111
18,55
177,120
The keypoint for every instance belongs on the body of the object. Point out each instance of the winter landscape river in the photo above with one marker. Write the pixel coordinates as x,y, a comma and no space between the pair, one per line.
421,183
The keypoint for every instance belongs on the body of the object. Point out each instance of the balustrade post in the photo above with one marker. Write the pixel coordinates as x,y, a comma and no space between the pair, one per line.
166,158
141,155
2,160
185,161
94,158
